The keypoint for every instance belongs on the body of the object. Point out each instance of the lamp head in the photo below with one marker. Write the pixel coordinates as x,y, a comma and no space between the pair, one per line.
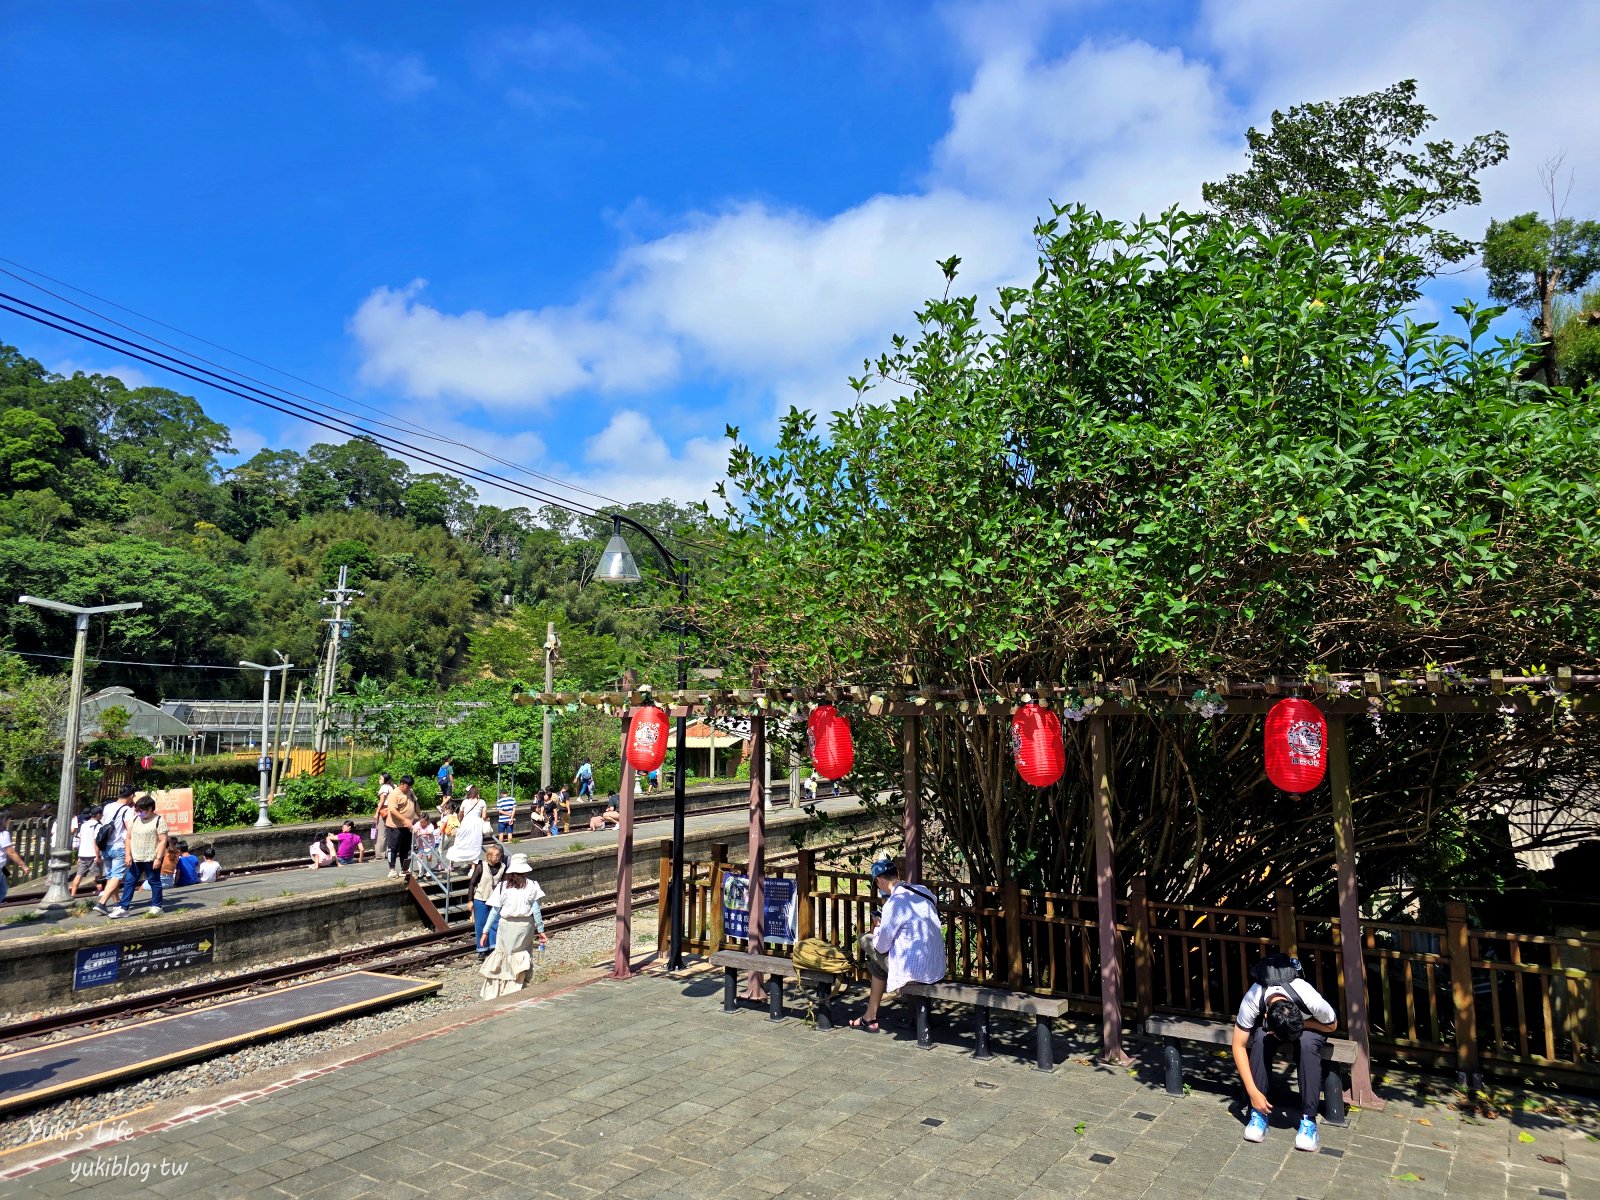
616,561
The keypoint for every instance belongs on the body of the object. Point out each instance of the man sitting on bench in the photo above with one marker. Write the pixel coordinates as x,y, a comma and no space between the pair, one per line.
1281,1008
907,944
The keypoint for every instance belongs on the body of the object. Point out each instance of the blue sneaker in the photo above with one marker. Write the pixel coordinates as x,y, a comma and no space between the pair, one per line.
1306,1137
1256,1131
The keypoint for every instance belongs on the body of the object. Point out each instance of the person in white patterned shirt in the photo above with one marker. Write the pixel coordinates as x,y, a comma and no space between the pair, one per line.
907,944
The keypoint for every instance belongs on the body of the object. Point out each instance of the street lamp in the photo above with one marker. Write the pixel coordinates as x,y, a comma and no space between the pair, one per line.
617,566
551,644
61,853
264,763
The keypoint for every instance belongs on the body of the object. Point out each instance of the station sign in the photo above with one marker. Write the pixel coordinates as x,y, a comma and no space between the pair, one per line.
176,807
506,753
98,966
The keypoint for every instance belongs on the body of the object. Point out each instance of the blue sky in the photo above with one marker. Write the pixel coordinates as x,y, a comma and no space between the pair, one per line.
589,236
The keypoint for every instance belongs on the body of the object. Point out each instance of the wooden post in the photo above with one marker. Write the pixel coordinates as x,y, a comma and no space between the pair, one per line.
758,849
1350,956
805,875
910,741
663,913
1288,936
1143,973
719,859
1106,897
1011,898
622,967
1458,944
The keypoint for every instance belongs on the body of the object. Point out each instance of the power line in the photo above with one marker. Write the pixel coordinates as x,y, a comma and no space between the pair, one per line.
144,354
133,662
404,425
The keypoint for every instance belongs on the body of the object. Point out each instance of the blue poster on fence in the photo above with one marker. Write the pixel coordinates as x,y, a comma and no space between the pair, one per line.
777,904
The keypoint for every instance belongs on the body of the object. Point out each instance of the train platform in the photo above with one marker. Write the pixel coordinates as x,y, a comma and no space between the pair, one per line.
643,1088
21,921
29,1078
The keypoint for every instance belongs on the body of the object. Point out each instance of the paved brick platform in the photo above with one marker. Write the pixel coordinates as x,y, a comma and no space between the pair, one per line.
645,1089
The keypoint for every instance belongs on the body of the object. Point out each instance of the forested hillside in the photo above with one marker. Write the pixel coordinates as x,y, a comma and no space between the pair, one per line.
112,493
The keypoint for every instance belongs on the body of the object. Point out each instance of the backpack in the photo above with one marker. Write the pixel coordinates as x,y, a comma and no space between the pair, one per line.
1277,970
814,954
107,833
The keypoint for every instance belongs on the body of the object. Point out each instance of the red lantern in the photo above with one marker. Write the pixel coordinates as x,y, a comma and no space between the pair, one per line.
647,738
1297,745
832,749
1036,745
146,762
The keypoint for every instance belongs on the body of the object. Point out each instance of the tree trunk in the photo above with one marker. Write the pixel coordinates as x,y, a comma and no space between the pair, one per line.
1548,282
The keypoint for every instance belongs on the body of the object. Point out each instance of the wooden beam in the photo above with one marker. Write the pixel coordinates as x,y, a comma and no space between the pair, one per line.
910,745
757,857
1350,955
1106,896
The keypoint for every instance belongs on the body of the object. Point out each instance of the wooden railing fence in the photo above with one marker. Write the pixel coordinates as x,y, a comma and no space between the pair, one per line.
1450,997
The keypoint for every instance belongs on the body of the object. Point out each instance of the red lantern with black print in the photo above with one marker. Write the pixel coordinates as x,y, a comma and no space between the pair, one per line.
832,748
647,738
1297,745
1036,745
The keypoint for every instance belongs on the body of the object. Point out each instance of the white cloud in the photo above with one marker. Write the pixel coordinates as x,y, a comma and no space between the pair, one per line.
516,361
779,305
130,375
403,76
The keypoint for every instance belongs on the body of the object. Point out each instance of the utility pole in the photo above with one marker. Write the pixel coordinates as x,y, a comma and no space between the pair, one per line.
264,763
328,675
61,852
551,644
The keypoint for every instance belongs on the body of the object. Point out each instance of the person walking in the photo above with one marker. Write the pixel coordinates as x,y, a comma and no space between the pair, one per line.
447,777
400,815
474,800
517,897
486,875
114,818
144,845
8,856
584,780
467,847
906,946
88,867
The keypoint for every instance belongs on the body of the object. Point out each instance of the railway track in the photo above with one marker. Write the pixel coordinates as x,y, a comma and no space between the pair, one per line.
403,955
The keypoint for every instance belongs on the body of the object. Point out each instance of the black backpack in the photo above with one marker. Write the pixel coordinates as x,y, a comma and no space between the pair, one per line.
1277,970
107,833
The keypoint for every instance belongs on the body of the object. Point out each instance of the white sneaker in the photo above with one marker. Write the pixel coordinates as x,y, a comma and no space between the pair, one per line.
1256,1130
1307,1137
155,912
118,911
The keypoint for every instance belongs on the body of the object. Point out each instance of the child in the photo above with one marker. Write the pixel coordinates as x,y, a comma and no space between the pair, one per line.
88,853
347,847
505,810
188,865
322,853
425,843
210,868
169,863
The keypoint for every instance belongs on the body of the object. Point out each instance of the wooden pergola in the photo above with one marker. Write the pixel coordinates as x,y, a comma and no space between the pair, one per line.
1101,703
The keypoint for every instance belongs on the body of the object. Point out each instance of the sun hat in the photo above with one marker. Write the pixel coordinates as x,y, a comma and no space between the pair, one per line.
519,865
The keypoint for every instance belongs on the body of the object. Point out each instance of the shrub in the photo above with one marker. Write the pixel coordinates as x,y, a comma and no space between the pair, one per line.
219,805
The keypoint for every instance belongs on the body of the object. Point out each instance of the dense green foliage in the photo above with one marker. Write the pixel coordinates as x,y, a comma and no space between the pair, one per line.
110,493
1196,445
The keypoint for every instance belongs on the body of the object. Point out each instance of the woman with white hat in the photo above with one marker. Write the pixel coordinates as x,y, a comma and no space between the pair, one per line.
517,898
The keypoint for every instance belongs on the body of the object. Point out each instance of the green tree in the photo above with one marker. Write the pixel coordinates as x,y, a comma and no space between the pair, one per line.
1577,340
1189,448
1532,261
29,444
32,709
439,500
1359,164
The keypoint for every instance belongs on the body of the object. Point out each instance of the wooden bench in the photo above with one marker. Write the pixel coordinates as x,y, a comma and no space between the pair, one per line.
1042,1009
778,969
1172,1030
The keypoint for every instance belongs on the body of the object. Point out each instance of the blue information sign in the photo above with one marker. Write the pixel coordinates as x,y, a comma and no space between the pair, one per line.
96,966
777,905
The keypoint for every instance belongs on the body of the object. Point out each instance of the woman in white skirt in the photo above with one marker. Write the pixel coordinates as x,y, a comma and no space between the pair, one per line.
517,897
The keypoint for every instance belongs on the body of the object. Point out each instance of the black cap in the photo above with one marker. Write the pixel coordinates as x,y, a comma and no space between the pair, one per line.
125,790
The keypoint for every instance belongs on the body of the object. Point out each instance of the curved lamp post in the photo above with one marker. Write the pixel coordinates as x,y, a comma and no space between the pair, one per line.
61,853
617,566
